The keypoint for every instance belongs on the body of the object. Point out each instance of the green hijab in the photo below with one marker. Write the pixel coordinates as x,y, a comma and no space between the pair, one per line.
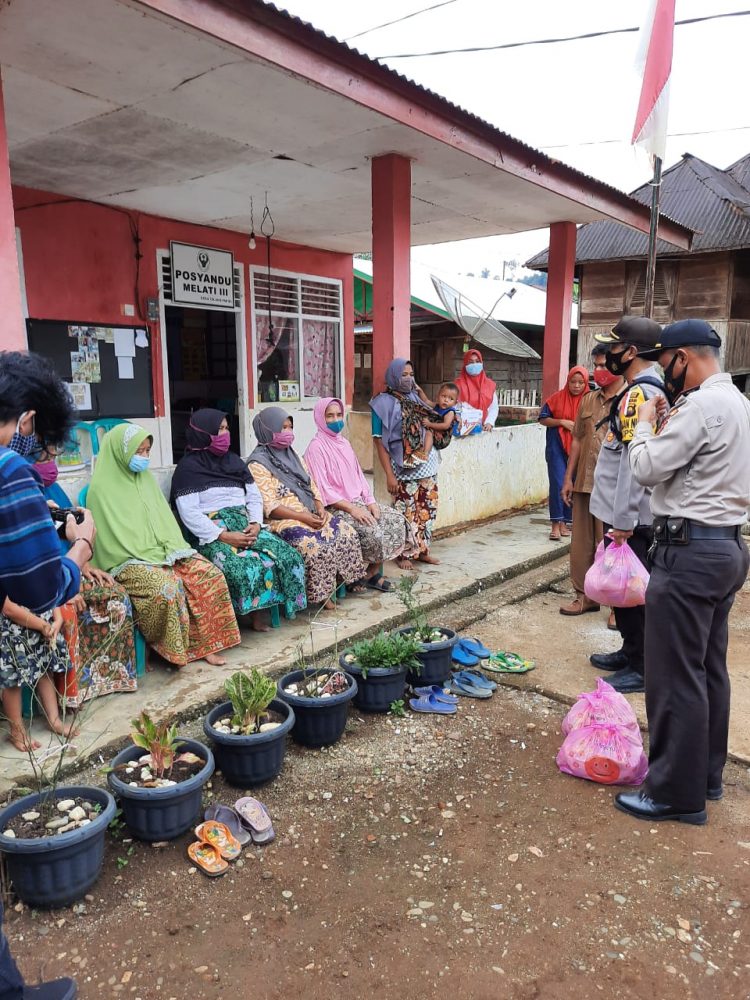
134,523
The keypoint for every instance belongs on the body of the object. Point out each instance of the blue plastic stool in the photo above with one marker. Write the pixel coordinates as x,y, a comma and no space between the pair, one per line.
140,652
275,616
27,702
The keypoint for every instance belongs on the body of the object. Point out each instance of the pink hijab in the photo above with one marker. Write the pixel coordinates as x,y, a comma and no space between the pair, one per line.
332,462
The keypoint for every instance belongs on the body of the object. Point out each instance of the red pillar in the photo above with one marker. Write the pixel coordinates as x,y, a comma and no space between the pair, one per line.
391,247
556,352
12,324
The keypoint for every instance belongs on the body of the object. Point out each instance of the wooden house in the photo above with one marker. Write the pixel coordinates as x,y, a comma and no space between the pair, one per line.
711,282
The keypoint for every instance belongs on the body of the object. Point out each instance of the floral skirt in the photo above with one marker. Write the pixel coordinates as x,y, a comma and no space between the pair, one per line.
331,555
382,541
25,655
184,611
269,573
417,500
101,643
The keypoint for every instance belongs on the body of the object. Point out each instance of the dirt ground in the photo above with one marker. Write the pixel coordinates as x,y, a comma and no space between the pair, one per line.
426,857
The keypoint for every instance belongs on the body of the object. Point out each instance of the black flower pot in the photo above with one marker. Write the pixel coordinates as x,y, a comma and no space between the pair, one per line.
162,813
436,659
318,721
379,688
249,760
57,870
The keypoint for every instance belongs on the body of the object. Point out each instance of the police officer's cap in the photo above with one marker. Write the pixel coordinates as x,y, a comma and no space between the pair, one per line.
689,333
643,333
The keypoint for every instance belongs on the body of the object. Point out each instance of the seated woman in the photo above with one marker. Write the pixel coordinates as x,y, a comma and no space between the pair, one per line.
294,508
343,488
220,505
414,489
180,600
558,415
97,624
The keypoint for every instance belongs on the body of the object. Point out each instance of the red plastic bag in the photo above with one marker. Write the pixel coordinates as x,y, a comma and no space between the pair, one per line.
604,705
607,753
617,577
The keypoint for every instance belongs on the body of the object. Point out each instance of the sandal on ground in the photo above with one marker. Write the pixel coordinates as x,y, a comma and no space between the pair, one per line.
509,663
440,693
207,858
379,582
230,819
555,536
219,836
357,589
431,705
478,679
254,816
612,622
462,656
474,647
464,685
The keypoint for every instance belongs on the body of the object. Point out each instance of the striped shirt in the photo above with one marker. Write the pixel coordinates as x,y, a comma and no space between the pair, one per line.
32,571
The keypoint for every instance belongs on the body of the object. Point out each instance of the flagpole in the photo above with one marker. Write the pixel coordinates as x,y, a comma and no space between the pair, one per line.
648,306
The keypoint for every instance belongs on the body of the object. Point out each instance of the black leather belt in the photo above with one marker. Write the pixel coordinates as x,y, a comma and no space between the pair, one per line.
681,530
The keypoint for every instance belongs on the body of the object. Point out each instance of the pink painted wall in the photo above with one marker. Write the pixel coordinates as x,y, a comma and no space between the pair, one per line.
79,263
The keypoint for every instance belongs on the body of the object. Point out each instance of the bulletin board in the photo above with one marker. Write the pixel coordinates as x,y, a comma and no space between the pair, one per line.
107,368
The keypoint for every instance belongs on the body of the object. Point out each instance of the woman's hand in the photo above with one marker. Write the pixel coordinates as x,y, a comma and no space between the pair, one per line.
98,576
78,604
566,493
314,521
488,427
567,424
361,515
374,509
57,624
237,539
391,484
252,531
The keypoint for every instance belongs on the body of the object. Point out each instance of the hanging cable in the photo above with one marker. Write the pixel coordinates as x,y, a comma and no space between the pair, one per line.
398,20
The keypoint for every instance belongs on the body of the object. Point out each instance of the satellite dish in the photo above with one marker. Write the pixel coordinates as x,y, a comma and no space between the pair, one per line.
479,324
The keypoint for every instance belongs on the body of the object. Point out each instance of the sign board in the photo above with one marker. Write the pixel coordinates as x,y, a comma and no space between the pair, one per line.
288,391
202,276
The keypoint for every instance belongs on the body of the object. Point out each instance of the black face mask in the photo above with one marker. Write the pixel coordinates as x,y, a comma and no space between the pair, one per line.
615,364
674,384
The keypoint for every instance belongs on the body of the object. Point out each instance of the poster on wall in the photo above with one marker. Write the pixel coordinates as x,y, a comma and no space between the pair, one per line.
288,391
80,393
202,276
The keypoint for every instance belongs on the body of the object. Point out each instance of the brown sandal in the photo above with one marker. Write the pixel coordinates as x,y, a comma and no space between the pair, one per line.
207,858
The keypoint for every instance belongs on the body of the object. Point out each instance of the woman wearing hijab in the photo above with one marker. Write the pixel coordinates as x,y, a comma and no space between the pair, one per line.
558,415
180,600
414,488
221,507
343,488
294,508
97,623
476,389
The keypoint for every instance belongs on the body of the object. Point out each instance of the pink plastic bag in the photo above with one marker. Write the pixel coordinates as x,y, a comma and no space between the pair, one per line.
607,753
605,705
617,577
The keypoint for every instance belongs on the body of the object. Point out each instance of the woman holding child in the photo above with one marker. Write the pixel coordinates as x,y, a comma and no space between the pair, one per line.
407,437
344,489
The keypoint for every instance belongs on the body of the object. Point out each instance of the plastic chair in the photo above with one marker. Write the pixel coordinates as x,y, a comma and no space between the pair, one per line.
105,424
82,495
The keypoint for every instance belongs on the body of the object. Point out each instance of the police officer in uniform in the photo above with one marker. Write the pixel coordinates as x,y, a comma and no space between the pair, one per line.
698,465
618,499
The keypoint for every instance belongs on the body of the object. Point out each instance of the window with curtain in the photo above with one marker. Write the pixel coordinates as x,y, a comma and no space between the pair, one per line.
297,333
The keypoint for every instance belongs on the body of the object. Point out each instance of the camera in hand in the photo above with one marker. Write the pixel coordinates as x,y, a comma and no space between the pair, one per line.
60,516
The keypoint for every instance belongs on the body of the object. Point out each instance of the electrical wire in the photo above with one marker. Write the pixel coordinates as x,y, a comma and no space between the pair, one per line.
670,135
398,20
552,41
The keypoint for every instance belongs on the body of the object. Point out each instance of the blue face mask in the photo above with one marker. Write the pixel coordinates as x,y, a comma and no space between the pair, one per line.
475,368
138,463
336,426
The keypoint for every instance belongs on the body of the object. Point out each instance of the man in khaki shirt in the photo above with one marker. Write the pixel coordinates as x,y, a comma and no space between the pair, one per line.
698,463
579,477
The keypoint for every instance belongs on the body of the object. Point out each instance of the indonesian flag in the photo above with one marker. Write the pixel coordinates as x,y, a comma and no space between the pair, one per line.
655,63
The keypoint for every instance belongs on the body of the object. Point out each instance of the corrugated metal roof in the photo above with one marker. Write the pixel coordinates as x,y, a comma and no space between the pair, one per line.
713,202
538,159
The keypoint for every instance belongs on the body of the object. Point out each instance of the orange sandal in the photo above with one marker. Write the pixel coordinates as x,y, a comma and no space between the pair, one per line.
207,858
219,836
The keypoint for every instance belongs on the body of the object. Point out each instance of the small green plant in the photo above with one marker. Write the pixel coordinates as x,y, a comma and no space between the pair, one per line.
250,694
422,630
386,649
157,739
398,708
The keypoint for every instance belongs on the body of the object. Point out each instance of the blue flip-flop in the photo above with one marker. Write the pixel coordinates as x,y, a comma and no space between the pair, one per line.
479,680
463,686
474,647
432,705
463,656
438,692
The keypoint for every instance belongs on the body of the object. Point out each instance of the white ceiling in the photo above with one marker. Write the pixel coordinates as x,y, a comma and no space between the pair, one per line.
109,103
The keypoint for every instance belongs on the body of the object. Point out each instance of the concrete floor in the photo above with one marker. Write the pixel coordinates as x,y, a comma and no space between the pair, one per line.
470,562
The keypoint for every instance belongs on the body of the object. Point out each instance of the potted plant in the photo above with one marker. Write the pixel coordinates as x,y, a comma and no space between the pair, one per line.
320,698
248,732
380,665
436,642
160,791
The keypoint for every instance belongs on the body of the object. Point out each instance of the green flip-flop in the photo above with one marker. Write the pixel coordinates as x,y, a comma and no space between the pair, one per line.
508,663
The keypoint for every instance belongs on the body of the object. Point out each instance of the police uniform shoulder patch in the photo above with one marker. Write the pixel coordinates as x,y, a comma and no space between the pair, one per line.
628,412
